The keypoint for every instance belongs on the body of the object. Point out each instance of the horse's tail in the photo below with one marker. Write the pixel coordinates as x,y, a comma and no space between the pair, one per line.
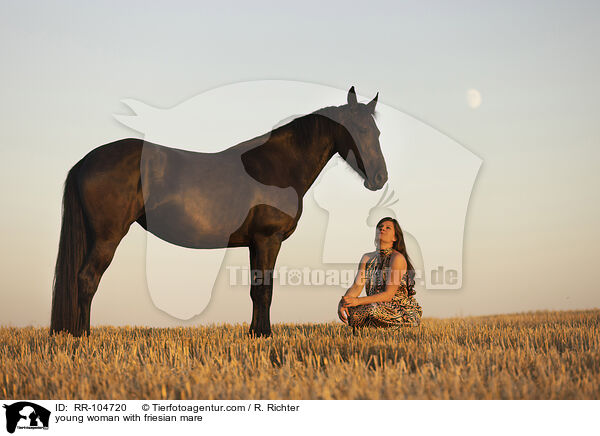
71,254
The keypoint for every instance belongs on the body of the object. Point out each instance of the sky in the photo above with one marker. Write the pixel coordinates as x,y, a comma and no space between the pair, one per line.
530,230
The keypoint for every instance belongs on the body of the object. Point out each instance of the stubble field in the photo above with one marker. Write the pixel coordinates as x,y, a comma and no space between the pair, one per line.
536,355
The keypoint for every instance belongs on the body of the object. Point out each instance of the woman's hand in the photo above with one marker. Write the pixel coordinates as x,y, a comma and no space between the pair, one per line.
342,313
348,301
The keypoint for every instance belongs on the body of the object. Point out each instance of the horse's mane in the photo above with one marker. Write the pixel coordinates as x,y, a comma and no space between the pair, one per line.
303,125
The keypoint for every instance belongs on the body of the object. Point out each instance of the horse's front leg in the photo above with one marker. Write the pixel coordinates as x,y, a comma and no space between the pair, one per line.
263,253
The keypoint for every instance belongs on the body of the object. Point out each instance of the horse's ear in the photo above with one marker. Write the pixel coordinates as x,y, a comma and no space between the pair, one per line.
352,97
372,103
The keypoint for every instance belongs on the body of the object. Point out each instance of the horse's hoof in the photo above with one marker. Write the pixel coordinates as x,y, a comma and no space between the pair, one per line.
259,333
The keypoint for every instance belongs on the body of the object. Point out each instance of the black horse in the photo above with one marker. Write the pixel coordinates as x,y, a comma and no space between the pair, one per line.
249,195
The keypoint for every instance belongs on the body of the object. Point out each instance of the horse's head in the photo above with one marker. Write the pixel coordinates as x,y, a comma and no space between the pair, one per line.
361,147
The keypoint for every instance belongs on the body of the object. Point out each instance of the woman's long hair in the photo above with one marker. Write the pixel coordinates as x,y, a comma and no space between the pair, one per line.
399,244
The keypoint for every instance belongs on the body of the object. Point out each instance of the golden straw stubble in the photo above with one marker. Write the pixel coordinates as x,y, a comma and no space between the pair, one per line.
534,355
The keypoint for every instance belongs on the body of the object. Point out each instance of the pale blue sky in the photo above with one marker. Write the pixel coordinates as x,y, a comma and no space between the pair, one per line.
531,229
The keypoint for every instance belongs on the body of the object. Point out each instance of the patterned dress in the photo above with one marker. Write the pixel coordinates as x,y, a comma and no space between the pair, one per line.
402,310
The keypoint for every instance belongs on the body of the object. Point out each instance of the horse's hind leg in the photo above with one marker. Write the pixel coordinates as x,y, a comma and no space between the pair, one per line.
107,232
97,261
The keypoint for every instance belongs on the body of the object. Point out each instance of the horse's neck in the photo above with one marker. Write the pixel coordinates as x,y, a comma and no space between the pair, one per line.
294,154
316,149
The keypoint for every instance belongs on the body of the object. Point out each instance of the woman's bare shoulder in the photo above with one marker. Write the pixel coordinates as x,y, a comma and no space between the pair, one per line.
398,257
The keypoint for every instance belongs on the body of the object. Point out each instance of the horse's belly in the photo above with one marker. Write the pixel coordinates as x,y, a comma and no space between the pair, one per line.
189,224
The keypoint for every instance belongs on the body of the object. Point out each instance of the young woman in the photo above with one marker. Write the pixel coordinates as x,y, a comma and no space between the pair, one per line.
388,276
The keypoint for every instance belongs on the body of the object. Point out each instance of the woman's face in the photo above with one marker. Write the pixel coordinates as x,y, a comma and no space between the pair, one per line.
385,232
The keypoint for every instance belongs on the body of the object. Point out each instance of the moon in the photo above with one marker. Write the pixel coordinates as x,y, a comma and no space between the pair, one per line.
473,98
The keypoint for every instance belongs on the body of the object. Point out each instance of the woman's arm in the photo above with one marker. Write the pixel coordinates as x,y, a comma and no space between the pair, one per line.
394,279
354,290
359,280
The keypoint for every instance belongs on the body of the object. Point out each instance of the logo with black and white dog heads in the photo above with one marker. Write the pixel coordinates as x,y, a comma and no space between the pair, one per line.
26,415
